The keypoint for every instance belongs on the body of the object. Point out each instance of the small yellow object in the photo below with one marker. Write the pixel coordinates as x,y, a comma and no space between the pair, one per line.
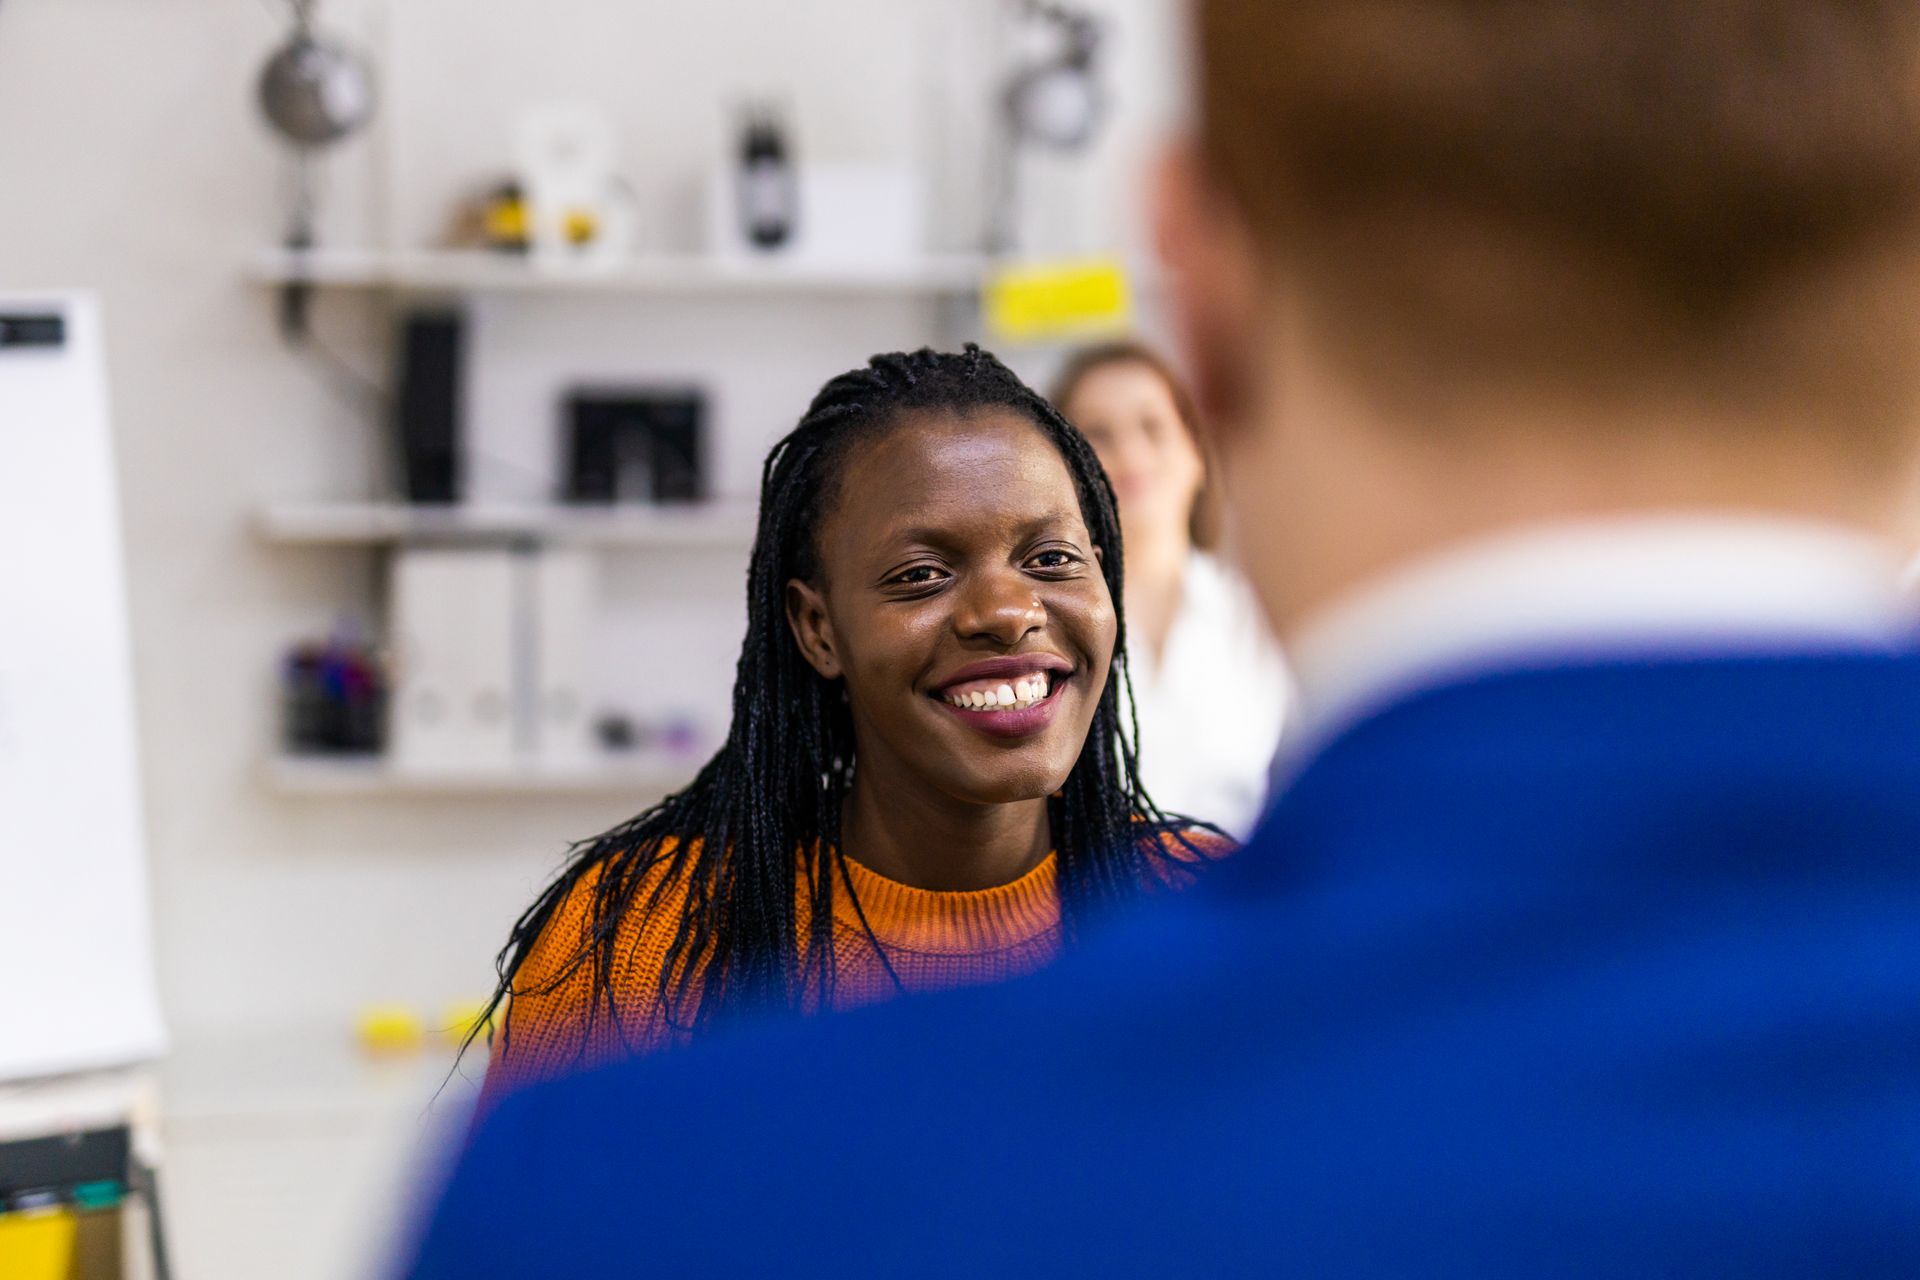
458,1019
37,1244
1057,300
391,1029
579,226
506,222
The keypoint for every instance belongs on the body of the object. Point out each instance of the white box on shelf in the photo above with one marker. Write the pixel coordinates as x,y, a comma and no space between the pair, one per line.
848,215
452,629
562,595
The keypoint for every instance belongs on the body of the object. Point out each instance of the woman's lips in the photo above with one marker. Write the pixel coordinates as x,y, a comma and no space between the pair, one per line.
1013,722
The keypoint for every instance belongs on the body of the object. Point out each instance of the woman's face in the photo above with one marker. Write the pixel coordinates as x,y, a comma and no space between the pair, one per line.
961,600
1126,411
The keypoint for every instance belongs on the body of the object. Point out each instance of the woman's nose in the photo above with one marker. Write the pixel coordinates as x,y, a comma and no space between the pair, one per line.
1126,451
1002,607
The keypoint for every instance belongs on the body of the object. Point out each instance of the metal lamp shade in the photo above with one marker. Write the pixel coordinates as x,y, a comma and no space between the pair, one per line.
316,92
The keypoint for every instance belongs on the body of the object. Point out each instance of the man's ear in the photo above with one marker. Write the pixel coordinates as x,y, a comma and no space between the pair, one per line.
812,629
1213,284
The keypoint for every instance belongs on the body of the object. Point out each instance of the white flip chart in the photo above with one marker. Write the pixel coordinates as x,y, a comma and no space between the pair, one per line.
77,986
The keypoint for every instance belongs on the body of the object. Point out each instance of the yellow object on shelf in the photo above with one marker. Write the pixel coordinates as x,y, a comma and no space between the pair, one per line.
504,222
391,1029
579,226
37,1244
1038,301
459,1019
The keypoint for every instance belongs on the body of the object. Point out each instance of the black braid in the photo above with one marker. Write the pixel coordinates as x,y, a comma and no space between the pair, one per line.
761,822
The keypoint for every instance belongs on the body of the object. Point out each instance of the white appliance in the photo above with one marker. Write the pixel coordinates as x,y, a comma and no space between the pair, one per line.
849,215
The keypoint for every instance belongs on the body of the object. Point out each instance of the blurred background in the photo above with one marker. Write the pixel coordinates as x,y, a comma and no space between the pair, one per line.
440,342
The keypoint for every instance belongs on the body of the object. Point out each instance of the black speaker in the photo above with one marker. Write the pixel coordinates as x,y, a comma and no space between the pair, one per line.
428,406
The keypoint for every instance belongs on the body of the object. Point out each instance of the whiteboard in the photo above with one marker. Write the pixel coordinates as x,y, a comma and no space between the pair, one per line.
77,987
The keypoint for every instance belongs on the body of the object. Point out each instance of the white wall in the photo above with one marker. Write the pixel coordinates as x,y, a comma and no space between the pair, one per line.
131,162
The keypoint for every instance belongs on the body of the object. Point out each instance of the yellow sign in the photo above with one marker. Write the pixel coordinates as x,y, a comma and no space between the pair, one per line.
1039,301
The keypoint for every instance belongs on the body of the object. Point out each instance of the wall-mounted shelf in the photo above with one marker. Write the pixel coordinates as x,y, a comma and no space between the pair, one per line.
480,271
719,524
338,776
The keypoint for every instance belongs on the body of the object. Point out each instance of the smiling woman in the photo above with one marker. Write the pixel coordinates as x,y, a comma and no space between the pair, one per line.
927,752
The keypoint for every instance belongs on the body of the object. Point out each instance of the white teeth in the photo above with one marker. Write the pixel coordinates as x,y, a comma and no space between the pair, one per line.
1023,692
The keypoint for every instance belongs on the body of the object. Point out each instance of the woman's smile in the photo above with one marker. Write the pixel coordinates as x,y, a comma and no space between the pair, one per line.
1010,697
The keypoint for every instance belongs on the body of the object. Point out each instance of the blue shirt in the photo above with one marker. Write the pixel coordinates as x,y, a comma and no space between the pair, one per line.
1602,970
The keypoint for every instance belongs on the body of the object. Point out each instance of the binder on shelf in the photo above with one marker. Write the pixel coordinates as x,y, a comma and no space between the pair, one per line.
561,595
453,622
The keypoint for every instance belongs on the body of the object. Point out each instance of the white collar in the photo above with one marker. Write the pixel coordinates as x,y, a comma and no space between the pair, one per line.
1679,582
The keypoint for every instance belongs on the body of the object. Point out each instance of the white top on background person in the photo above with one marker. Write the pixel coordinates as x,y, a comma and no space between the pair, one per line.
1210,687
1211,709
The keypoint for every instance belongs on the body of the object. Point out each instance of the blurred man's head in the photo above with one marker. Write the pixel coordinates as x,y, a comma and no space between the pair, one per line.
1475,262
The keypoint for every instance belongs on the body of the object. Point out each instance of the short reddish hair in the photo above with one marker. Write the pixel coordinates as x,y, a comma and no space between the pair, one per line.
1595,191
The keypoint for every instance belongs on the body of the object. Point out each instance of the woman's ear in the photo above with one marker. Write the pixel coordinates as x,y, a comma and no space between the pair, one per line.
812,630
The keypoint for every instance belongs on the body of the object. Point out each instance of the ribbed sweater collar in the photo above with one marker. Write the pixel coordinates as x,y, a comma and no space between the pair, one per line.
954,922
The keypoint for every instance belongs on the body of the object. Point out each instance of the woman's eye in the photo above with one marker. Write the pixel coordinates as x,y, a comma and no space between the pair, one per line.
919,576
1054,559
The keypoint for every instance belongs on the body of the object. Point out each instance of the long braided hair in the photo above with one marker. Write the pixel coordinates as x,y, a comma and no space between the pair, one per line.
757,833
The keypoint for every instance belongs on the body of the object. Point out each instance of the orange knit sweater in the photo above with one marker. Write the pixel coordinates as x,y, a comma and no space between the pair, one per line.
931,940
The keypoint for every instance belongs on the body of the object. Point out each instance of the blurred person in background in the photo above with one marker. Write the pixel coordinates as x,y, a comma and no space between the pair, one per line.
1563,364
1195,628
926,748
